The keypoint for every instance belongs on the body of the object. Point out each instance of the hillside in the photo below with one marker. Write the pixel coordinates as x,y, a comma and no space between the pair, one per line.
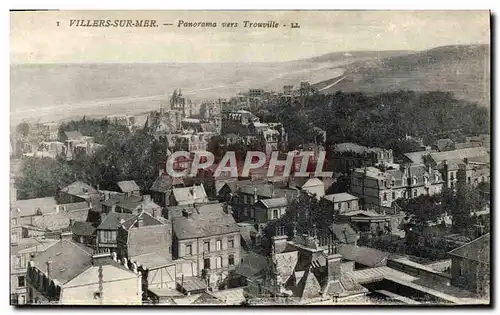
462,70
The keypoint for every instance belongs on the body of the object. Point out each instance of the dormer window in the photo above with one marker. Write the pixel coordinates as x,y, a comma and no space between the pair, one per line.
426,180
393,182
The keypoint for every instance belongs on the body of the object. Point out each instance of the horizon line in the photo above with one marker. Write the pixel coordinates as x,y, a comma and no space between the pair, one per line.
235,62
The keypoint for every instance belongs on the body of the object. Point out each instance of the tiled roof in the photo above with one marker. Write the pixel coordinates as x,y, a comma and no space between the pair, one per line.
477,250
128,186
205,220
113,219
363,255
68,259
82,228
52,221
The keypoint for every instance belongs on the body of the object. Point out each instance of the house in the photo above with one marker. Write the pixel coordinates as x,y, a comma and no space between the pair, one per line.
248,193
314,186
448,162
266,210
146,241
188,195
208,239
84,233
416,157
343,202
470,266
347,156
473,172
69,273
20,254
381,188
76,192
162,188
107,231
305,269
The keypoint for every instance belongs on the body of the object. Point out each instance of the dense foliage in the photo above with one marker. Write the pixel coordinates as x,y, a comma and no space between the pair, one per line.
381,120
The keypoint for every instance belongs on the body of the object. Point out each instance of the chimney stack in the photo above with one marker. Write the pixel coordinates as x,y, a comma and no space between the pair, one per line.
49,264
333,261
279,240
140,221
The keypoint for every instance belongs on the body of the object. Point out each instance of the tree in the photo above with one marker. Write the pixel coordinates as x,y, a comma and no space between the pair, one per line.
41,177
468,201
23,129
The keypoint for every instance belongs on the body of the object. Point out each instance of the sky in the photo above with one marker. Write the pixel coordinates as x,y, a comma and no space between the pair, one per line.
36,38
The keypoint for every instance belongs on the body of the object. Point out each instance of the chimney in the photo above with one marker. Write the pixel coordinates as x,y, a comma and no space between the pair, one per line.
140,220
146,198
66,236
255,197
186,213
279,240
49,264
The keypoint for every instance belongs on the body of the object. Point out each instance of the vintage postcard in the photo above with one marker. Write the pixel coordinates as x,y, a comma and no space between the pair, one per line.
250,158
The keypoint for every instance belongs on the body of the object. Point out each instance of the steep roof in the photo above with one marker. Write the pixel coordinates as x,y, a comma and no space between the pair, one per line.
312,182
68,259
477,250
147,220
128,186
164,182
113,219
308,286
82,228
206,220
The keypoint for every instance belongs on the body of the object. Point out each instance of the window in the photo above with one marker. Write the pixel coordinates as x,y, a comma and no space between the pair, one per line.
22,261
385,196
275,214
218,262
218,245
13,221
393,182
21,281
189,249
393,195
230,243
206,247
97,295
451,176
348,205
415,193
426,180
231,260
206,263
468,180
